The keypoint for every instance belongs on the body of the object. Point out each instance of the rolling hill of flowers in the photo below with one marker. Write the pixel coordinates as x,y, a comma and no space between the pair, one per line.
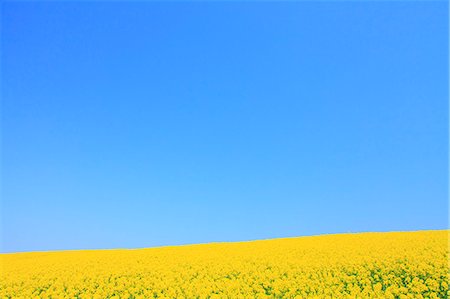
365,265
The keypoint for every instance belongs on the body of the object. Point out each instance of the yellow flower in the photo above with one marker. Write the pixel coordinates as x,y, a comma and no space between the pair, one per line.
370,265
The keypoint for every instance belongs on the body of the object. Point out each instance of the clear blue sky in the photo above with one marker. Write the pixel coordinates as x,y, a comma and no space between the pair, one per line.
145,124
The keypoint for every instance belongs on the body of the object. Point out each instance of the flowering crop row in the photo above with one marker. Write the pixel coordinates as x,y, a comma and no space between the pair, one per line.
368,265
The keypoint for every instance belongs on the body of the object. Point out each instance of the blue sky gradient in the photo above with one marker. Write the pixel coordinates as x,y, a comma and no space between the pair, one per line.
146,124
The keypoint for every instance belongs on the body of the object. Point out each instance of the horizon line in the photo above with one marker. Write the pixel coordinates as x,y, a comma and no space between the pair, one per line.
220,242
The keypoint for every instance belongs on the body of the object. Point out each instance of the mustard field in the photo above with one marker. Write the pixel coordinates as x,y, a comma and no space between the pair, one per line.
366,265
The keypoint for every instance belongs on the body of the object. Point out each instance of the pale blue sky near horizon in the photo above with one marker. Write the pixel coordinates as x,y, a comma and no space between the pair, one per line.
142,124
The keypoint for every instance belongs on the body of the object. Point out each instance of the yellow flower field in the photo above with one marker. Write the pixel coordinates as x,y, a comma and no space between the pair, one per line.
366,265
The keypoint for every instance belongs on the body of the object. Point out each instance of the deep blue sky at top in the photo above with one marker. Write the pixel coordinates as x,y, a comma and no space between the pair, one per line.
144,124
